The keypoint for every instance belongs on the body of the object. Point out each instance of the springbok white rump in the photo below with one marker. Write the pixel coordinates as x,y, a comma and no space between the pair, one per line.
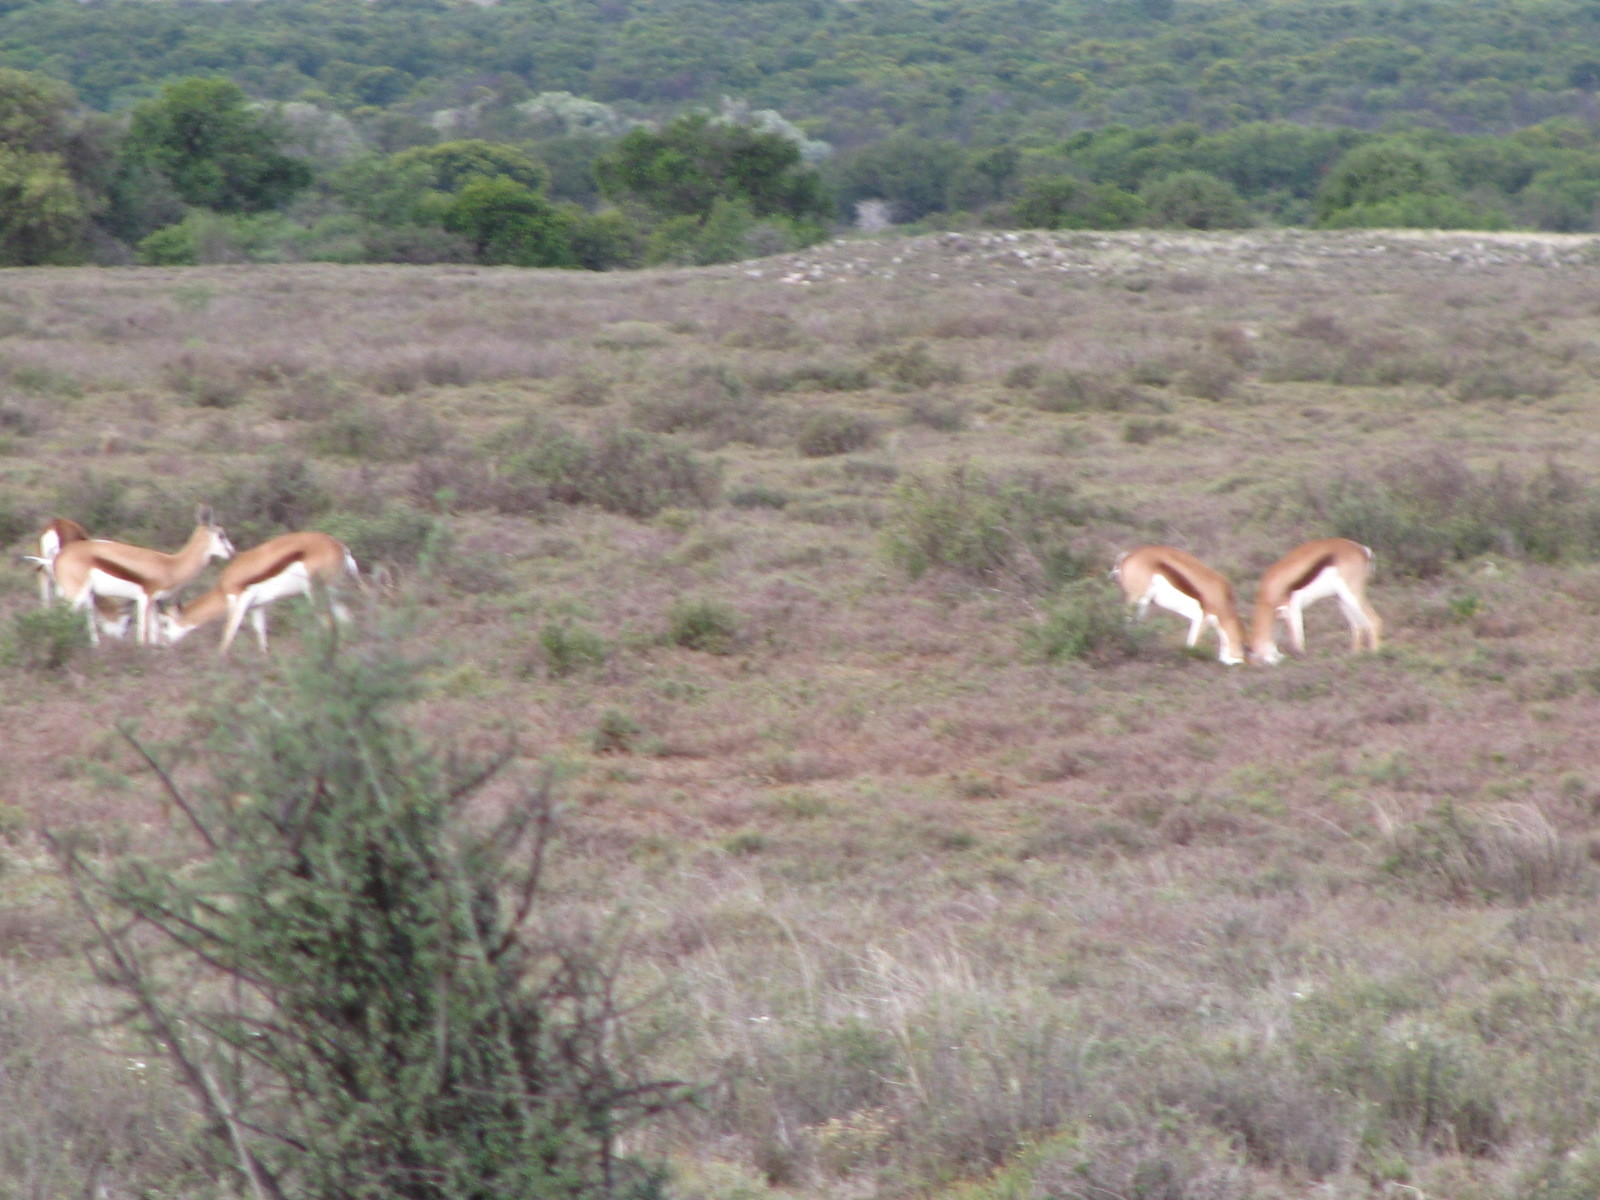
58,533
1326,567
112,614
86,570
1178,581
288,565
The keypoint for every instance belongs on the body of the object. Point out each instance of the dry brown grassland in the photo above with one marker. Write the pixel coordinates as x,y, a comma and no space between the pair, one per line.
781,565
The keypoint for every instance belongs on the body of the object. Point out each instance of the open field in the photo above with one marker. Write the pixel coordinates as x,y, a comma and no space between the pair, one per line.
786,566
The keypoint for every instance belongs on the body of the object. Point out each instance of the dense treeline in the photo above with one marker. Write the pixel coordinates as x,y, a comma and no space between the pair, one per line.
599,136
202,173
989,70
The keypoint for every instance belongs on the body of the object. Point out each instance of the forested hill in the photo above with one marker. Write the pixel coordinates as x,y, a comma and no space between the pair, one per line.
978,70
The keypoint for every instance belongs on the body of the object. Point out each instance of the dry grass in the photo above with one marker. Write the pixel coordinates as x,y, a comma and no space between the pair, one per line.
931,901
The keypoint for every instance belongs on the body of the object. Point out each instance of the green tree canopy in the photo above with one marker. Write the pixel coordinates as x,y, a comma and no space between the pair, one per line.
1379,172
691,164
42,218
449,166
509,223
1194,200
203,138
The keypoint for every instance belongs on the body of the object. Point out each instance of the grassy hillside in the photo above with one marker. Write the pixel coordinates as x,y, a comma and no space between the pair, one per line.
787,567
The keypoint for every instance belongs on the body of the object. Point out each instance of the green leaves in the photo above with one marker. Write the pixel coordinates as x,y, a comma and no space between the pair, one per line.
203,138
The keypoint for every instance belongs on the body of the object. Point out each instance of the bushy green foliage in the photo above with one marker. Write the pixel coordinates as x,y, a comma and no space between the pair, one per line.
628,471
832,431
570,648
1194,200
48,170
383,1013
709,626
1084,620
686,168
510,223
1065,202
46,639
450,166
1419,516
397,535
967,523
203,138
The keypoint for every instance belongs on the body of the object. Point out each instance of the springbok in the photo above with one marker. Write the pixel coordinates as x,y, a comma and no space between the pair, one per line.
1177,580
289,565
1326,567
112,614
89,569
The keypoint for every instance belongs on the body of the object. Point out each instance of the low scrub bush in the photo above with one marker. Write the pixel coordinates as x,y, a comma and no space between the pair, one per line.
710,402
46,640
568,648
616,733
942,415
758,495
705,625
206,380
1422,514
820,376
627,471
1087,620
967,523
1500,380
1073,391
398,534
278,496
912,367
835,431
377,433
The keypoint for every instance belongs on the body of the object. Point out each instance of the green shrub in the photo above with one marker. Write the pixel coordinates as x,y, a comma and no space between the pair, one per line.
1421,514
705,625
206,381
835,431
759,496
569,649
1194,200
393,1003
709,401
47,639
1087,620
814,377
972,525
399,534
627,471
615,733
1078,391
913,367
279,496
377,432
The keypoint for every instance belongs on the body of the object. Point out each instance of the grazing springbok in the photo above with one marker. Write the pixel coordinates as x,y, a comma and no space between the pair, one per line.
289,565
1326,567
1177,580
89,569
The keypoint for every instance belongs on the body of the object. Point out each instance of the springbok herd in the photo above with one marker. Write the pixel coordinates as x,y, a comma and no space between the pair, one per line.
101,578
